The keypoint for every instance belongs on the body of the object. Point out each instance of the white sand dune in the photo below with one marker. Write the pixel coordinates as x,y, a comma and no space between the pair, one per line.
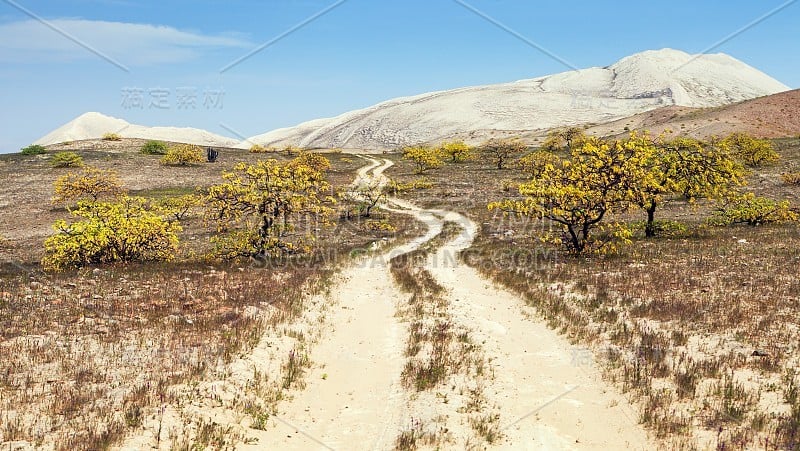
635,84
94,125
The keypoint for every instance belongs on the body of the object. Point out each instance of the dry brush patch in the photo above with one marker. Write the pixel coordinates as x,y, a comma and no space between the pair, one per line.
446,371
88,357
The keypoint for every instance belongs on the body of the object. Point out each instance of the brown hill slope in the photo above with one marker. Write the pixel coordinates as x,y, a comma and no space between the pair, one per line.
774,116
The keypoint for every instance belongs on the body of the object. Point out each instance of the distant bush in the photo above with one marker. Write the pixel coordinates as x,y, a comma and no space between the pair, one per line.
124,231
183,155
291,150
33,149
111,137
382,227
791,178
418,184
258,148
154,148
66,160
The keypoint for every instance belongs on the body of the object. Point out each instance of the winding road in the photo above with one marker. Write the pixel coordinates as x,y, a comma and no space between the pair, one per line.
354,400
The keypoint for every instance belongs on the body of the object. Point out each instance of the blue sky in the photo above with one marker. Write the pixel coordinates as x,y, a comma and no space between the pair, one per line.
359,53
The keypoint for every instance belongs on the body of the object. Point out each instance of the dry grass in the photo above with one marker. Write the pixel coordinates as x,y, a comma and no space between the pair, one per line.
699,328
445,370
89,356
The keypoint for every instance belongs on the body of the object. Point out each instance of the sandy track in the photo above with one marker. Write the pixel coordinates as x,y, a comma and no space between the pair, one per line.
353,398
550,395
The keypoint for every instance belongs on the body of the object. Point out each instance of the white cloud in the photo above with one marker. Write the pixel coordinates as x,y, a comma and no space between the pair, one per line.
127,43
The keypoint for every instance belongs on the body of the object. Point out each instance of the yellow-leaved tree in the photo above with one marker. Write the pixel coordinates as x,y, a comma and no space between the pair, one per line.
125,230
257,209
680,167
424,158
537,163
457,151
579,192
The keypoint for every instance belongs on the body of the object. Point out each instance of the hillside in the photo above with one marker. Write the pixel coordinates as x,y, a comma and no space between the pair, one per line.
636,84
775,116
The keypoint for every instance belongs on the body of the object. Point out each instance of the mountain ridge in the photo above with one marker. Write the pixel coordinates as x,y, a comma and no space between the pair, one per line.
633,85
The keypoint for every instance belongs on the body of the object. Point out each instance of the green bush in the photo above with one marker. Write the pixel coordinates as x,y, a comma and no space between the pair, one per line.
66,160
33,149
125,231
154,148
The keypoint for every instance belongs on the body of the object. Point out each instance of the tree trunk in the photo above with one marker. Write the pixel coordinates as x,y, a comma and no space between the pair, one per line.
650,228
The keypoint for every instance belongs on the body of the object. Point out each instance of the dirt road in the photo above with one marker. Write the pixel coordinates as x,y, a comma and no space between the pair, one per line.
548,394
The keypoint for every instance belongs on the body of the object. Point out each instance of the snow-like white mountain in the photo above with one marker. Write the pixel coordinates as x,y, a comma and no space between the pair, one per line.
94,125
633,85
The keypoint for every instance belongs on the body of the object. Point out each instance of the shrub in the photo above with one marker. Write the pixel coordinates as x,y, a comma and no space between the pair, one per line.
291,150
752,210
91,184
180,207
791,178
183,155
154,148
123,231
33,149
66,160
111,137
258,148
418,184
382,227
501,150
